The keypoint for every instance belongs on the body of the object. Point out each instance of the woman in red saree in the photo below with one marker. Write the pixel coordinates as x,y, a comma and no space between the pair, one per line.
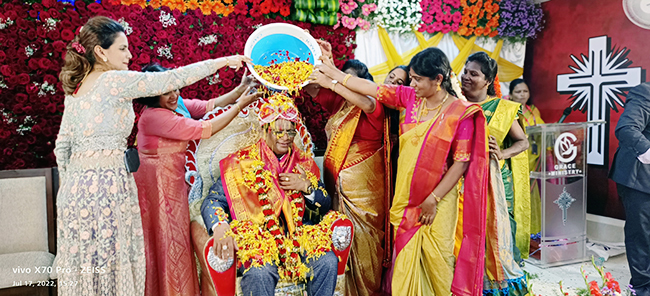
442,140
163,135
356,154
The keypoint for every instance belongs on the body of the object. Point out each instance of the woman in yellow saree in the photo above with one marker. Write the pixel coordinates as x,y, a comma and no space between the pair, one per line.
508,206
443,139
520,93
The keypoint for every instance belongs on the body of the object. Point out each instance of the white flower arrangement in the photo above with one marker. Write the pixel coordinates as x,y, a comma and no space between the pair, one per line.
5,23
398,15
214,79
209,39
26,126
45,89
127,28
167,19
165,51
50,24
29,50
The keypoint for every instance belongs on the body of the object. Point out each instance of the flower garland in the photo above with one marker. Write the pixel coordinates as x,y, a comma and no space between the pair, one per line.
290,265
440,16
398,15
479,18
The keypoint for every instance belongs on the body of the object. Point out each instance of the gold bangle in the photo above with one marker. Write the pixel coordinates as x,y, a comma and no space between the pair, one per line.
345,80
227,62
238,108
438,199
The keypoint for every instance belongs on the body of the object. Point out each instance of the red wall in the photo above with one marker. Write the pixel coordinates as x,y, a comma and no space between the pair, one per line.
569,25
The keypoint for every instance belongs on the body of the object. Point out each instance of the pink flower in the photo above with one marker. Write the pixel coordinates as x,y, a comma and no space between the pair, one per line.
445,29
454,27
457,17
349,22
447,17
346,9
363,24
436,27
368,8
427,18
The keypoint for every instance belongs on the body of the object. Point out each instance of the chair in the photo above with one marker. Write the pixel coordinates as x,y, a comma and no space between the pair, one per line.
28,231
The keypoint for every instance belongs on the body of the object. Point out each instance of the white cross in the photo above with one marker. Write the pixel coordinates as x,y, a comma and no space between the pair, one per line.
597,82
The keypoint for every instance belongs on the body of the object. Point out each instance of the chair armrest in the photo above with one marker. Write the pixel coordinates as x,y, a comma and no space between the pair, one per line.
223,272
342,234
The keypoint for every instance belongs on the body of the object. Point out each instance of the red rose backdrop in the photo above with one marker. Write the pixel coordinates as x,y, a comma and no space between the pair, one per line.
550,55
33,39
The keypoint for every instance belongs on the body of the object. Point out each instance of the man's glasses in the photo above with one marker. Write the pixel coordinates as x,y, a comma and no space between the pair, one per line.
280,134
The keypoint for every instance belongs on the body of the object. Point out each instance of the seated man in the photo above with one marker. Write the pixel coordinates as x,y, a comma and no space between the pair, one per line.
267,204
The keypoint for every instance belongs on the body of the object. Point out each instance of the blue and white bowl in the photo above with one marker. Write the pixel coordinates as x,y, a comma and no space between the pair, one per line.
280,42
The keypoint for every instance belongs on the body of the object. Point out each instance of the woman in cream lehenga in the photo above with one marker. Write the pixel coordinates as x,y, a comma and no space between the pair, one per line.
99,229
442,140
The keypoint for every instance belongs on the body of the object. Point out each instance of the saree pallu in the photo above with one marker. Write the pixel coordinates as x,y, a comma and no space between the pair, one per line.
356,174
162,192
424,259
531,118
508,196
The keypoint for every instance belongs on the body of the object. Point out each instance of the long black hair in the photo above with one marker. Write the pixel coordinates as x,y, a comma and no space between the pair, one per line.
360,68
432,62
489,68
151,102
514,84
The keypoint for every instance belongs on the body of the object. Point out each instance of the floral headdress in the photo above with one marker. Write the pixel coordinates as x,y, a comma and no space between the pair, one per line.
78,47
278,106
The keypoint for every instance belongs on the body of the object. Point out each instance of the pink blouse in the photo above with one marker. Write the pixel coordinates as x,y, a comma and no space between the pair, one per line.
161,130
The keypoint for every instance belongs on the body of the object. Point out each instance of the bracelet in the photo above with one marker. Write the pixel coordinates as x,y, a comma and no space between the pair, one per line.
345,80
238,108
227,62
438,199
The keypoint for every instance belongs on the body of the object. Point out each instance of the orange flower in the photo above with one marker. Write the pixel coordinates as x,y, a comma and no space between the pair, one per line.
265,7
469,31
478,31
168,3
285,11
473,23
227,1
475,10
462,31
141,3
495,7
494,33
206,7
229,9
155,4
465,20
192,4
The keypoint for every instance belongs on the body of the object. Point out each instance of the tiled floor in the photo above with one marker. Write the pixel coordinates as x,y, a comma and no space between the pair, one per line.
546,281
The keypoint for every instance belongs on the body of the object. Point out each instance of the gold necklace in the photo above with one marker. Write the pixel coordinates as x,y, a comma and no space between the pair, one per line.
416,139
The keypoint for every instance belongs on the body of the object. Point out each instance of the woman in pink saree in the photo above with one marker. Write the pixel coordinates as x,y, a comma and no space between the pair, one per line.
163,135
443,143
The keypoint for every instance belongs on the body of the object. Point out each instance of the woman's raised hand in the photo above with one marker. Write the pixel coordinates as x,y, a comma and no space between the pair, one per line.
237,61
248,80
249,96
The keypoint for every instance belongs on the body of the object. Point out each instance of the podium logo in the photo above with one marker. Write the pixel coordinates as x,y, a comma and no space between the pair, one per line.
565,150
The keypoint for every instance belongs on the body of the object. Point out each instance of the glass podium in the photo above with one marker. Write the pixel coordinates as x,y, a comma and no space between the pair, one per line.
561,177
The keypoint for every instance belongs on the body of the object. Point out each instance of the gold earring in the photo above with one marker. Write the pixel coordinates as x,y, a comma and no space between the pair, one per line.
438,88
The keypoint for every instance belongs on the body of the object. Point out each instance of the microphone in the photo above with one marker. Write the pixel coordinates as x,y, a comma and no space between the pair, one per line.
566,113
